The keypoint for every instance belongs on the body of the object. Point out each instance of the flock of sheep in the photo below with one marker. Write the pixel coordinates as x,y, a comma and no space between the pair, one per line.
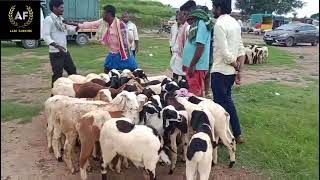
126,115
256,54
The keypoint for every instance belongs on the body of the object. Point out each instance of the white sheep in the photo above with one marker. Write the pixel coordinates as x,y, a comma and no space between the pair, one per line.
199,154
221,123
64,86
77,78
64,112
91,76
139,143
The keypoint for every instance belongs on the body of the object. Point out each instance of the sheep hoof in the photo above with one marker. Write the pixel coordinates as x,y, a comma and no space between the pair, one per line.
89,168
50,150
213,164
104,176
231,164
60,159
171,171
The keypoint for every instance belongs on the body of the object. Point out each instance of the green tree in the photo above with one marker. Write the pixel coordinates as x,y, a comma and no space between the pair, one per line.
315,16
269,6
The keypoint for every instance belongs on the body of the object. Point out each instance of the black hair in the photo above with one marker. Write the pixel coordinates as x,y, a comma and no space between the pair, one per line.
110,9
55,3
188,6
225,6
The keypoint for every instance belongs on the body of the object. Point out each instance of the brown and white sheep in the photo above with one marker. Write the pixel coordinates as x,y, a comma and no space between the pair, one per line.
63,113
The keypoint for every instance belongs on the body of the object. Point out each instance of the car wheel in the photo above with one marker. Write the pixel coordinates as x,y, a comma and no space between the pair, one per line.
269,43
314,43
289,42
30,44
82,39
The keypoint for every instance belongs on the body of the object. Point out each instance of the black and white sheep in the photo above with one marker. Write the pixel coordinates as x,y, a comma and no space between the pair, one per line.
139,143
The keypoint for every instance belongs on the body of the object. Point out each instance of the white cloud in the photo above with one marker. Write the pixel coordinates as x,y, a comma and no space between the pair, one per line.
311,7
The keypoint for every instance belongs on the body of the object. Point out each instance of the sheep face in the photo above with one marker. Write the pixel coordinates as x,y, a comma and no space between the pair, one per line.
198,118
170,87
114,72
139,73
183,84
114,82
105,77
156,100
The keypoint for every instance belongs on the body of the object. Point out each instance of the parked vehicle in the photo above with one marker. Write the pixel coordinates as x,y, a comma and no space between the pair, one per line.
259,23
293,33
74,11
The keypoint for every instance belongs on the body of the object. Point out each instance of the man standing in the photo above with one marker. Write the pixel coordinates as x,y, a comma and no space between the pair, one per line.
114,34
133,33
178,45
196,51
54,34
228,47
173,33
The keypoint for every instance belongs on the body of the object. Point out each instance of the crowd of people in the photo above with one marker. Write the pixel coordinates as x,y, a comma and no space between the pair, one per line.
205,50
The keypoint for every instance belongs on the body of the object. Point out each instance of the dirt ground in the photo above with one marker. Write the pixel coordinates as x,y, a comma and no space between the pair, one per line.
24,148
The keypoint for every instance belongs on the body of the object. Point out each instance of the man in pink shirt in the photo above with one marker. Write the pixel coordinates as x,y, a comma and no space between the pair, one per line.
114,34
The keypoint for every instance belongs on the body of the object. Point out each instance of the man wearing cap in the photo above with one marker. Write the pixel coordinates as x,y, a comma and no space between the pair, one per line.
196,51
228,59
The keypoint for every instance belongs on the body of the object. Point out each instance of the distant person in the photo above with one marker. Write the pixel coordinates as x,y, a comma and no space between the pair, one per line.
133,33
196,52
173,33
225,70
55,35
241,24
113,33
178,45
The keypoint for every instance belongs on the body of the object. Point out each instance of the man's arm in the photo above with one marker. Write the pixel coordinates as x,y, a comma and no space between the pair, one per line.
47,26
90,25
241,56
46,29
136,37
222,45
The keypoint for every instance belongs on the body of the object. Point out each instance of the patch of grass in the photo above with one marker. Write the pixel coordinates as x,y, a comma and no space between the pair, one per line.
281,132
88,58
12,110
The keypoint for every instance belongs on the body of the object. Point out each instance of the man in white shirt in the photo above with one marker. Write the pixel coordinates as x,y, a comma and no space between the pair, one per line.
173,34
54,34
240,24
227,48
133,33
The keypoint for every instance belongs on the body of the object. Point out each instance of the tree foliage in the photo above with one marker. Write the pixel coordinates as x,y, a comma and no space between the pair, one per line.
315,16
261,6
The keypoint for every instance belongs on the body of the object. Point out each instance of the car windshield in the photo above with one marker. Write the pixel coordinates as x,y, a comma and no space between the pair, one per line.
287,27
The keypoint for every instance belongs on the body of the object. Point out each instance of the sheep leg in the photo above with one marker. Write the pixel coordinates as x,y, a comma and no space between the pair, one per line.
83,170
229,144
215,152
86,149
204,168
49,136
94,152
191,170
56,144
118,166
107,157
185,140
174,155
126,163
68,146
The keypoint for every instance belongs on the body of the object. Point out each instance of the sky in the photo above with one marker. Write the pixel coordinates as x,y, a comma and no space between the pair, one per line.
311,7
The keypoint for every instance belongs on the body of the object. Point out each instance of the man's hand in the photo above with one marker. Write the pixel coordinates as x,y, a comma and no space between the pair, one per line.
234,64
191,71
60,48
238,78
77,28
